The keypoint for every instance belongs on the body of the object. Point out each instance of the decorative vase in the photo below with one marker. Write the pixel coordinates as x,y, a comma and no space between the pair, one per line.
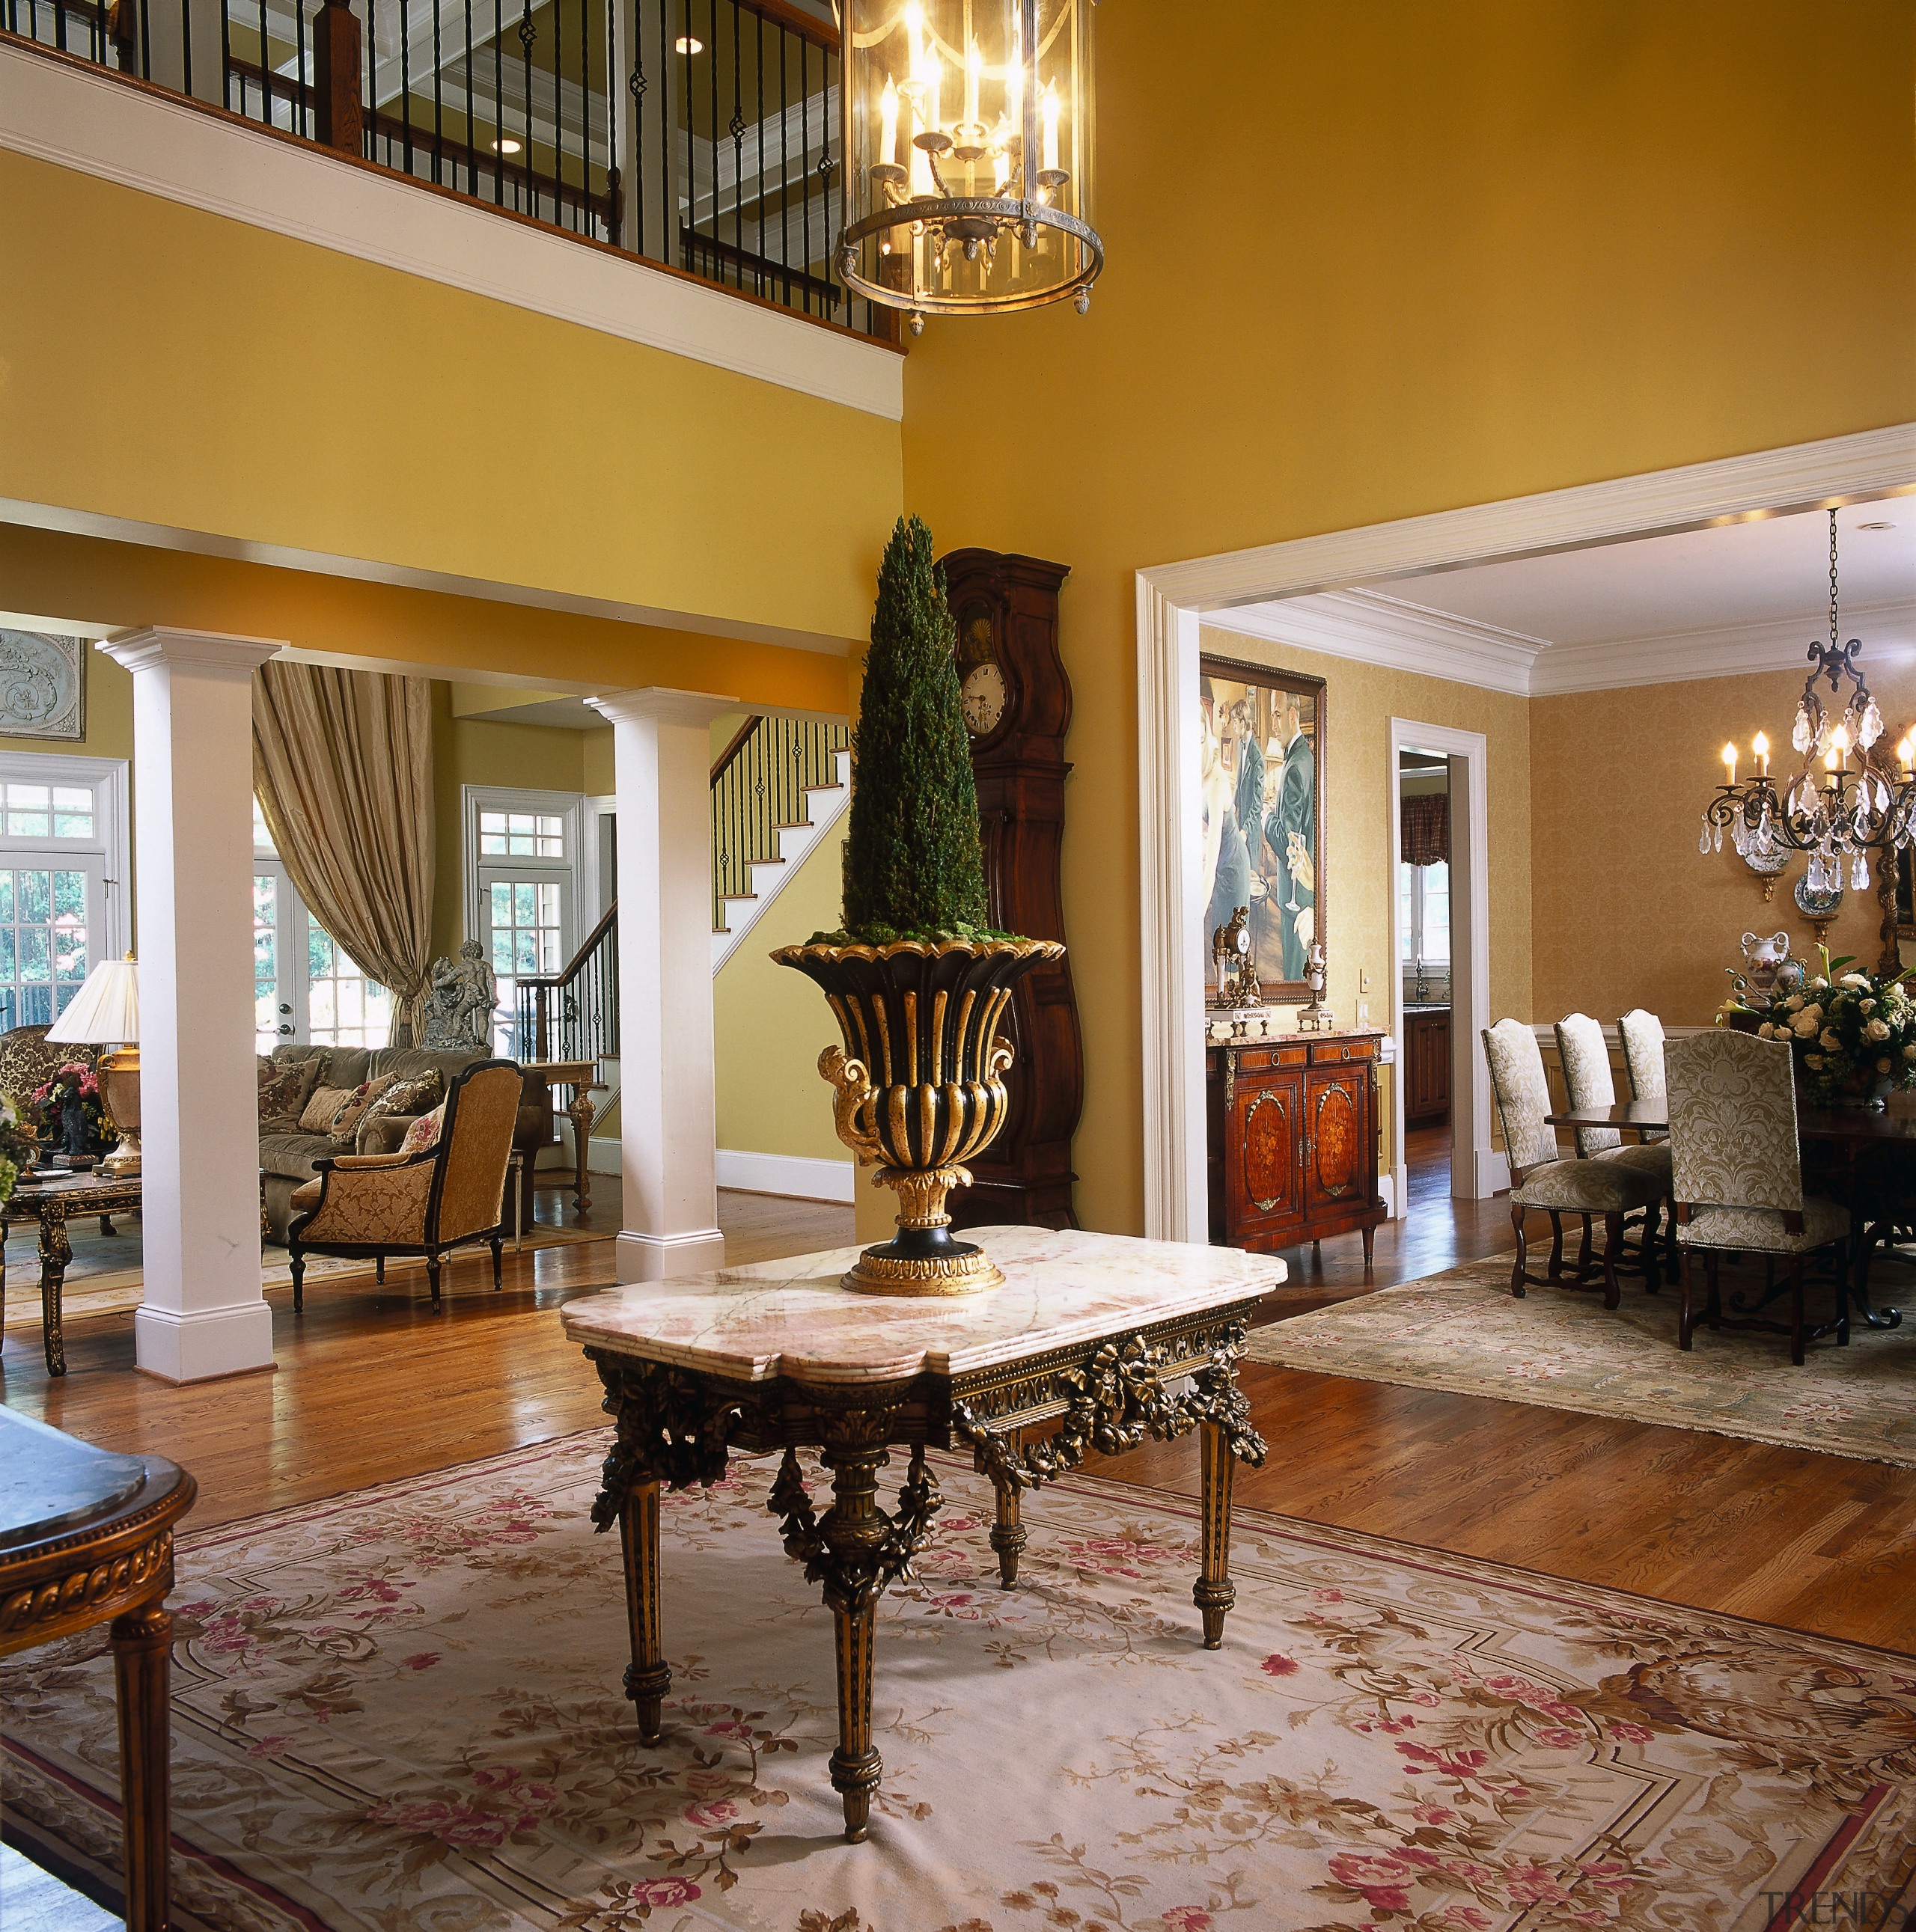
1866,1087
920,1086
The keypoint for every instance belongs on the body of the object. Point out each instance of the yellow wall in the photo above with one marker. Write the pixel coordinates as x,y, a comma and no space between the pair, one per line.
249,386
1627,912
772,1023
1394,259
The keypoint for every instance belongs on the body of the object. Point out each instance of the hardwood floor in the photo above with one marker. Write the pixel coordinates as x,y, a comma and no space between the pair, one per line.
372,1386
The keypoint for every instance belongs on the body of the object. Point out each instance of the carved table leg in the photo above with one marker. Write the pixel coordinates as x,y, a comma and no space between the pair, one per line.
1007,1534
55,1251
648,1677
1213,1592
143,1650
853,1531
580,1111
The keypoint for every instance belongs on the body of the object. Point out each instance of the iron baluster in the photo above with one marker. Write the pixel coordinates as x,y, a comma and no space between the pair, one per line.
528,33
758,51
186,43
735,127
498,105
805,148
371,137
558,121
636,84
466,72
784,170
406,81
614,214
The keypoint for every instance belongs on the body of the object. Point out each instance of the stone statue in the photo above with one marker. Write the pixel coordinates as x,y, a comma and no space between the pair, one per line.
461,997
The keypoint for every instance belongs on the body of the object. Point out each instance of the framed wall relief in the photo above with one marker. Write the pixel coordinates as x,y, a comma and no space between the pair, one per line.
1261,762
43,685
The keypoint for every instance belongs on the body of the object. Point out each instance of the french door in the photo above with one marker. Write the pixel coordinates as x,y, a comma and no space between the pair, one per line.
306,989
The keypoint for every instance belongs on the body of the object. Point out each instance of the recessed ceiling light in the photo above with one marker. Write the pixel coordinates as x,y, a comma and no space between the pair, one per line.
685,44
1876,526
506,146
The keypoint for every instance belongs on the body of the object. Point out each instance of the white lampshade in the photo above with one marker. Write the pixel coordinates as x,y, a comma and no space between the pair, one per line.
106,1010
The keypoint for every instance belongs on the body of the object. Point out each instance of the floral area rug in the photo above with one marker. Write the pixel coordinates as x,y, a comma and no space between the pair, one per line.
399,1711
1465,1332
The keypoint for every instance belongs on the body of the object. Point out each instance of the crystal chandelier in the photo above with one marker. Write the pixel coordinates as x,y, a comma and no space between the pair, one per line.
968,130
1854,805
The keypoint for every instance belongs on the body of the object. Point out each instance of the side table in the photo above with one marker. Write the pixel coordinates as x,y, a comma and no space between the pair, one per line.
51,1204
1093,1341
582,1077
87,1537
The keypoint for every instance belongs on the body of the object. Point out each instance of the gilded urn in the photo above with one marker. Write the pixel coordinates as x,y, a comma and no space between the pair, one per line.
920,1086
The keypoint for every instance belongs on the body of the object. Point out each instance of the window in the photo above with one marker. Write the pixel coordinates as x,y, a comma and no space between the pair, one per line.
1423,915
521,835
62,830
311,993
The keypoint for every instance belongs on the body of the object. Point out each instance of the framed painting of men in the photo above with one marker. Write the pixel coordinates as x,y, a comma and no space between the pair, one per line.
1262,764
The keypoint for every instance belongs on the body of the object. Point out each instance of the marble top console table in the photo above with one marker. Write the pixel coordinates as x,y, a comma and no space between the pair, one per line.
1093,1343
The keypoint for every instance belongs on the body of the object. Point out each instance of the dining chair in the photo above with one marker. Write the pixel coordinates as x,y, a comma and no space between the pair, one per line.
1584,1056
1737,1169
1541,1177
1642,1036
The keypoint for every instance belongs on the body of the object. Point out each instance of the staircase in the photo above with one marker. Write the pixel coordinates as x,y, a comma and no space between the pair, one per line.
778,787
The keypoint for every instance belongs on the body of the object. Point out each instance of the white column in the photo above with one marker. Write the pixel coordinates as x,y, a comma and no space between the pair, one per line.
202,1313
668,1107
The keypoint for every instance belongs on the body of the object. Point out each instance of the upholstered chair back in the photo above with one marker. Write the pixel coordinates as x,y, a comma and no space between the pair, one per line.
1523,1095
1733,1122
1586,1064
1642,1036
482,1109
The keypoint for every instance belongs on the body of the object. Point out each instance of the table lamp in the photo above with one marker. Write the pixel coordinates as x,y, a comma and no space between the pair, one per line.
106,1012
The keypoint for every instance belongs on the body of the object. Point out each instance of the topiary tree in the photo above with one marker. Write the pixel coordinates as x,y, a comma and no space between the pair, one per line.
914,866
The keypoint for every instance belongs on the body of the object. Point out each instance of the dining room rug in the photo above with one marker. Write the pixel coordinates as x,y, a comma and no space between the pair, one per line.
399,1711
107,1278
1463,1332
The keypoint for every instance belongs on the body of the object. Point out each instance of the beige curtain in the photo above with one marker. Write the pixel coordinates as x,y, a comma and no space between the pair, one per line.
342,765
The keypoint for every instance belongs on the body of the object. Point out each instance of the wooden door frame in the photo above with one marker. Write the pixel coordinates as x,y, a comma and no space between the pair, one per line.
1172,598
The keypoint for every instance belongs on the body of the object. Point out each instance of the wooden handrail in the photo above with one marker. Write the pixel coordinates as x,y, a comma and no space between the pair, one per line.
737,746
820,33
576,964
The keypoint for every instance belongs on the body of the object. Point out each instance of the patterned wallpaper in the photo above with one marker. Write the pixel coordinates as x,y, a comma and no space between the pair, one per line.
1625,911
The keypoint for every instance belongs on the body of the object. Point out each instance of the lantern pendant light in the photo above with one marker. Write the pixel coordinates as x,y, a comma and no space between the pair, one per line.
968,134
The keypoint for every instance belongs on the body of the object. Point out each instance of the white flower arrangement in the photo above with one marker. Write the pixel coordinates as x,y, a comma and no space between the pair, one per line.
1850,1031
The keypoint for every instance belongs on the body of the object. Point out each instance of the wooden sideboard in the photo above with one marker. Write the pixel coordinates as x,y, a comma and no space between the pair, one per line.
1426,1066
1291,1138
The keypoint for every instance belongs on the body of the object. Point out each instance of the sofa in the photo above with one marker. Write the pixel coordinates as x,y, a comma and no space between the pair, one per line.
287,1157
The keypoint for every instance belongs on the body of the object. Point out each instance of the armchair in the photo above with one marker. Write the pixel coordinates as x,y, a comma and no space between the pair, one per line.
372,1206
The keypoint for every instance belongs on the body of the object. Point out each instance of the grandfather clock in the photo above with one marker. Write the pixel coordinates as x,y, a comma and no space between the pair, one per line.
1018,708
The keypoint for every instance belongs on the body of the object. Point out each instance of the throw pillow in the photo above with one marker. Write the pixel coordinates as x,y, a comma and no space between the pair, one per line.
424,1132
409,1094
345,1124
285,1086
324,1102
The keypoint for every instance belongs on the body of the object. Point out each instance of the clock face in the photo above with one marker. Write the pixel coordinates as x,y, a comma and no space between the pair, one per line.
983,692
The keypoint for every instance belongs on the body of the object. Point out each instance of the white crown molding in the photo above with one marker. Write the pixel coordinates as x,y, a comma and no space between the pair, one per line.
1733,650
96,124
1368,627
210,653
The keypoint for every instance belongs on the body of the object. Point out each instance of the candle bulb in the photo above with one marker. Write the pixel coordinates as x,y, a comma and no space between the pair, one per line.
974,70
888,124
915,31
1730,762
1051,110
1905,757
1760,745
1839,749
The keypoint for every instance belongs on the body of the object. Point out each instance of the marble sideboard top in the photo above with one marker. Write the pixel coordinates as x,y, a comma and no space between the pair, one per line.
790,1318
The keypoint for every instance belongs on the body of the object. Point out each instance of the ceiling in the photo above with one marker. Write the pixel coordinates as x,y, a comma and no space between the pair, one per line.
1738,597
1752,573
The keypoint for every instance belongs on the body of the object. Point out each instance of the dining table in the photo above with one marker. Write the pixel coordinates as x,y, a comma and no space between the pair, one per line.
1844,1135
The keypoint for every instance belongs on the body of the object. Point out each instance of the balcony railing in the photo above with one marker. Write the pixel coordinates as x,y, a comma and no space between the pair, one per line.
701,134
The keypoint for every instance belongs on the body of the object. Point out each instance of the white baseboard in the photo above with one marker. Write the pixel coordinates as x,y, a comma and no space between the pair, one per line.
604,1156
798,1175
1394,1189
1493,1172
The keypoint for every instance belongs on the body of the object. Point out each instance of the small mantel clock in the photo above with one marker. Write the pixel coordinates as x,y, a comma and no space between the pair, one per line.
1018,708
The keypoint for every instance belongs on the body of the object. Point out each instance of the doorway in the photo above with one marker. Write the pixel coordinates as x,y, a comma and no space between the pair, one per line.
1422,809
